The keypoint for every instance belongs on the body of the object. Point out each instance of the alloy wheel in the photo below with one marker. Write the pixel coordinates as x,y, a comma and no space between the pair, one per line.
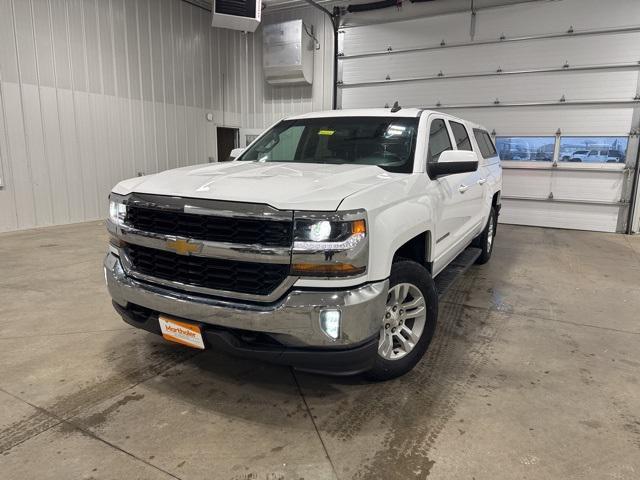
404,321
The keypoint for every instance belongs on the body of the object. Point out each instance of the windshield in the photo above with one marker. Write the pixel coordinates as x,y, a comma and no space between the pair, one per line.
386,142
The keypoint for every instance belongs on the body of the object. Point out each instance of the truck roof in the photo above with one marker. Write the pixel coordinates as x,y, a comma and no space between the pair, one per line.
379,112
361,112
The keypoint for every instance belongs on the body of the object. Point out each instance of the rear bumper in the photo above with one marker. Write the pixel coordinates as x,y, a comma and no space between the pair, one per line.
291,325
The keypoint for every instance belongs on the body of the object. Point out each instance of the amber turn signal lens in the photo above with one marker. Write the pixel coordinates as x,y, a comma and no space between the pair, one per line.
116,242
358,226
326,270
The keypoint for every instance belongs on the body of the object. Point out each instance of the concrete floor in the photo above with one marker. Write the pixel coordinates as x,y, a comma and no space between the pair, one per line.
534,372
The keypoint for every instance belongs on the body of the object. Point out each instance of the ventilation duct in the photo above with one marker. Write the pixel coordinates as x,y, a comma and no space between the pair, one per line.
287,53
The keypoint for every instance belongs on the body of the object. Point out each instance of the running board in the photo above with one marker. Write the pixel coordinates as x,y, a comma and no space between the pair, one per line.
447,277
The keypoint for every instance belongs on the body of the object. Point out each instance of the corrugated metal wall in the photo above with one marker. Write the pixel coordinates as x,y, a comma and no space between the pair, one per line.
95,91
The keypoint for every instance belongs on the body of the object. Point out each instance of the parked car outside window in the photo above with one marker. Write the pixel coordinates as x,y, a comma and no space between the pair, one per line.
593,149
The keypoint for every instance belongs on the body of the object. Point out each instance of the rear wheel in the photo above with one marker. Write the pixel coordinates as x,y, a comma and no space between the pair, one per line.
408,323
486,238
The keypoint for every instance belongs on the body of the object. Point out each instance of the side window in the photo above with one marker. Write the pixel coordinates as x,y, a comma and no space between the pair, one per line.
439,140
461,136
487,149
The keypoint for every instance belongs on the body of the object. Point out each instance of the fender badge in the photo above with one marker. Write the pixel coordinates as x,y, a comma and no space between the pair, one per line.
183,247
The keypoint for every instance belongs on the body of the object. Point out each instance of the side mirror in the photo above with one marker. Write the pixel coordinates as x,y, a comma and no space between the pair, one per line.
235,153
452,162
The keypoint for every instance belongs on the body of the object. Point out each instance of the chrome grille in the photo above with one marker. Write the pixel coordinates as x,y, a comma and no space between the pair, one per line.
271,233
212,273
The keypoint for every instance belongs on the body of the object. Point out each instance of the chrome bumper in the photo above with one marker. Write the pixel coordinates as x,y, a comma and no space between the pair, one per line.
293,320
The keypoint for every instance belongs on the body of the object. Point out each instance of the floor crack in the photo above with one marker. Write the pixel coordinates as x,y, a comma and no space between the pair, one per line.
313,421
84,431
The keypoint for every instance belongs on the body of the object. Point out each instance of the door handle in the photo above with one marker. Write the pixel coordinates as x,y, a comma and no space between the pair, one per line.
482,181
463,188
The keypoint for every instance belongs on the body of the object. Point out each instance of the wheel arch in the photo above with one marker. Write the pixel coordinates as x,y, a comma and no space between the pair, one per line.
417,249
496,201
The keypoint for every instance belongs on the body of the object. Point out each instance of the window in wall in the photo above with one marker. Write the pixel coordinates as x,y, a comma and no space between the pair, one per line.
593,149
248,138
461,136
526,148
487,149
439,140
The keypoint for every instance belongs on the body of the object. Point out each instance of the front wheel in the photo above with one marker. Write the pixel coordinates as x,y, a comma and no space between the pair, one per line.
408,322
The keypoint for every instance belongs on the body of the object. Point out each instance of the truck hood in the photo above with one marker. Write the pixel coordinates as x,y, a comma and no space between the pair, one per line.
286,186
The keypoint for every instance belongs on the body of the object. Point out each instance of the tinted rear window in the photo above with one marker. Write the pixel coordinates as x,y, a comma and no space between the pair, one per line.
461,136
487,149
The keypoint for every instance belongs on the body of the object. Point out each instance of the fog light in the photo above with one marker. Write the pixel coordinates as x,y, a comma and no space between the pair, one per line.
330,323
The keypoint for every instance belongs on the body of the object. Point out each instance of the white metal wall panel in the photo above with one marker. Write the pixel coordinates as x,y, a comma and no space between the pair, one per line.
544,76
8,200
93,91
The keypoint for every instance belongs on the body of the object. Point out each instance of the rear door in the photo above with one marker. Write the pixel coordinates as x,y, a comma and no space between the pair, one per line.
472,186
489,168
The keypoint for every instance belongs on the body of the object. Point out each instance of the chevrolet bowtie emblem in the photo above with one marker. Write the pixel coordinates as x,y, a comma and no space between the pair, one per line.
183,247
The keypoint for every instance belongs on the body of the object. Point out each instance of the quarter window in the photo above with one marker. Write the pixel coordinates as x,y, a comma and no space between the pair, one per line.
461,136
487,149
439,140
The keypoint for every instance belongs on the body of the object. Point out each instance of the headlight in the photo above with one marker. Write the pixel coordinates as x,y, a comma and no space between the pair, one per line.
331,244
314,234
117,212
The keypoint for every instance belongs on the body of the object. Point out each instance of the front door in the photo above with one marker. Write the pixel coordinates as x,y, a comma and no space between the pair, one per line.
460,198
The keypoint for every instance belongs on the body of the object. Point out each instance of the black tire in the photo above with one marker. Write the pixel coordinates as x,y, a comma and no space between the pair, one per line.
482,241
407,271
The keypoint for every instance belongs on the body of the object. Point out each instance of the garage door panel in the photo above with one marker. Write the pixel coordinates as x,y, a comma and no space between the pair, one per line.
591,185
572,120
406,34
512,88
541,54
576,216
526,183
588,185
595,101
534,18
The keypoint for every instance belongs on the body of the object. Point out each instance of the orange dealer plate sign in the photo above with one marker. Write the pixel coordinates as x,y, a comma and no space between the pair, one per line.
181,332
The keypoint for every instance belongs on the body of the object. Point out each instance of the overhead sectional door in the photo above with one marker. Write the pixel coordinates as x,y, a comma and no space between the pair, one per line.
556,83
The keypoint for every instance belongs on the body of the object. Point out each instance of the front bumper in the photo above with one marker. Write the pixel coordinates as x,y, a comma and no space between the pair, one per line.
291,324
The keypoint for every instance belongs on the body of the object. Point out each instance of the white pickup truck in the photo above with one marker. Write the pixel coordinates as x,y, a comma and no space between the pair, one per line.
320,246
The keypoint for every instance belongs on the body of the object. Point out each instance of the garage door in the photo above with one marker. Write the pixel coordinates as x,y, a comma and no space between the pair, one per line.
559,93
